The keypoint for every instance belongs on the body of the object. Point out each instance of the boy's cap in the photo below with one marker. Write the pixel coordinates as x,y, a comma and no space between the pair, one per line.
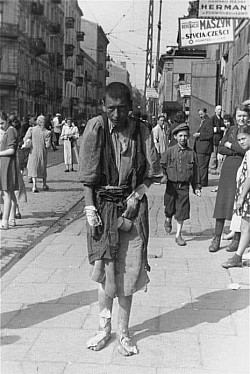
181,127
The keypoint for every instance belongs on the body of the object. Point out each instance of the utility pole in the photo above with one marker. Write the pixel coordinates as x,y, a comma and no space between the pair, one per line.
156,101
158,47
148,69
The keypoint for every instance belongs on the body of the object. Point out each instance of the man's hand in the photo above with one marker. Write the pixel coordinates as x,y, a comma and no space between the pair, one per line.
132,207
228,145
197,192
92,216
239,203
196,135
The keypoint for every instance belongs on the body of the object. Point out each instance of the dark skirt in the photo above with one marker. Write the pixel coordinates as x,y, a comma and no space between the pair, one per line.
227,187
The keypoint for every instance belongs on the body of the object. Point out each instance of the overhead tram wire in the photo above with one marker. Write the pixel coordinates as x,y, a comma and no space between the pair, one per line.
123,16
86,2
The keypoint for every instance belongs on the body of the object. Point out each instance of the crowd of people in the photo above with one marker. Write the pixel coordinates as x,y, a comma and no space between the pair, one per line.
24,146
120,156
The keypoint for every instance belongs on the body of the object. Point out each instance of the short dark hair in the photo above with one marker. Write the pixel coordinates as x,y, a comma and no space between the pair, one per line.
118,90
229,118
4,116
245,129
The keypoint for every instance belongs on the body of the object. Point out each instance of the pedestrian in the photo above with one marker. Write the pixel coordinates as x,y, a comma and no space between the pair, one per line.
8,172
38,140
117,161
178,119
242,198
161,135
57,129
218,126
223,209
180,167
69,135
203,145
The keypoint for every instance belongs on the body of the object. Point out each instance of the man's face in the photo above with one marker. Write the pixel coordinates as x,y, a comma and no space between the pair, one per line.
201,114
161,121
218,110
182,138
117,110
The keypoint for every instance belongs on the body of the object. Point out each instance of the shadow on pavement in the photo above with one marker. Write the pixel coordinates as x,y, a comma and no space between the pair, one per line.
208,308
37,313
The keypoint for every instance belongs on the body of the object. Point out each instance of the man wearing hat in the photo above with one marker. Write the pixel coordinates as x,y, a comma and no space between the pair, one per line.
180,168
57,127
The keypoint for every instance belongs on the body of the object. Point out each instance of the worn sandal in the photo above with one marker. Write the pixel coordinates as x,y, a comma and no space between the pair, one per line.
126,347
99,340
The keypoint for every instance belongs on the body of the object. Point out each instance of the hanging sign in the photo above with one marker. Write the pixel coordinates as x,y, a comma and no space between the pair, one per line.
185,90
151,93
224,8
203,31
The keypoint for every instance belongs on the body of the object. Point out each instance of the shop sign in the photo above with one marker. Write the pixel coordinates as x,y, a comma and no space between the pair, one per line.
224,8
185,90
203,31
151,93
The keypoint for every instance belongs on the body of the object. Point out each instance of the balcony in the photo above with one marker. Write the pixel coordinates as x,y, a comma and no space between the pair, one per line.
88,101
79,81
55,28
95,82
80,36
79,59
68,76
69,22
56,1
69,50
37,46
9,30
37,88
8,80
36,8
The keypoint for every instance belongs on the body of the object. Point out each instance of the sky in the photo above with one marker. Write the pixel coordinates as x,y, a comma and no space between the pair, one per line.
125,23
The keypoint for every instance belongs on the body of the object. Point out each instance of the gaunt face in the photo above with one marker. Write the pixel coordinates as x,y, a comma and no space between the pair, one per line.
117,110
244,141
69,122
218,110
201,114
161,121
241,117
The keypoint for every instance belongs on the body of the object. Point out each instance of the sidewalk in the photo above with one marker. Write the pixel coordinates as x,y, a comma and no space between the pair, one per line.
42,211
189,321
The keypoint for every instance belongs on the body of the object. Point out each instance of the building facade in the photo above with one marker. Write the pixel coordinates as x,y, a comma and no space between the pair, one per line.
31,75
117,73
95,45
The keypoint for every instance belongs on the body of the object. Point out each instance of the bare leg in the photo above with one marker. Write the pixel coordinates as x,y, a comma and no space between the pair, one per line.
34,181
101,338
245,236
125,346
6,207
13,206
179,228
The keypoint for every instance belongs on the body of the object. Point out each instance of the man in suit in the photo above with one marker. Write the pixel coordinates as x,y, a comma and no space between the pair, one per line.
218,128
203,145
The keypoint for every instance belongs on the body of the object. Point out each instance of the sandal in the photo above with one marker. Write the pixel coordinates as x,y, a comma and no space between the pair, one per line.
45,187
12,222
126,347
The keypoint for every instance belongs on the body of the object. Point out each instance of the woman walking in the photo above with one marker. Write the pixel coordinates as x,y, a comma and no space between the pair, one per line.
69,135
39,140
223,210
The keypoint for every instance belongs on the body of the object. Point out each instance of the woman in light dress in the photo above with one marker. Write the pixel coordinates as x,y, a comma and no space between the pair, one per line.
69,135
39,140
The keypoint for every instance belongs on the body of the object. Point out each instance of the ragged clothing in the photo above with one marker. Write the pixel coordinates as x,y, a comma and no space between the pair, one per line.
114,163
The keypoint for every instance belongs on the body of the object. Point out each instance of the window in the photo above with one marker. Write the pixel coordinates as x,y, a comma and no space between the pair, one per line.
181,77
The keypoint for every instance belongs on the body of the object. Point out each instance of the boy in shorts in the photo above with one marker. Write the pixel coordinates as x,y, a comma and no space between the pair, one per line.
180,168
